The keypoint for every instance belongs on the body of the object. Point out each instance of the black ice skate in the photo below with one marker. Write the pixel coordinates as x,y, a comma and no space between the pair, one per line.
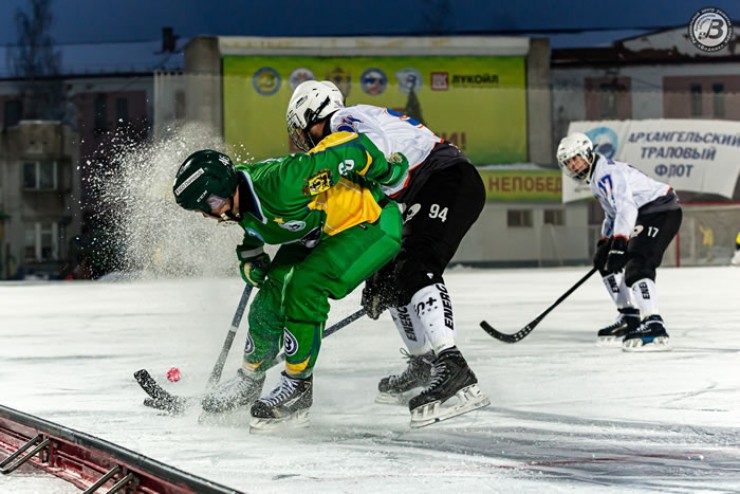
650,336
627,320
451,378
286,405
240,391
418,374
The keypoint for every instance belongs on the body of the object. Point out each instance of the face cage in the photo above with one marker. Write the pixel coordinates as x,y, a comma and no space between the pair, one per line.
214,202
581,176
300,138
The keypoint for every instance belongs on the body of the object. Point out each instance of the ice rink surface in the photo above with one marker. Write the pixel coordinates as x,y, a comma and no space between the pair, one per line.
566,415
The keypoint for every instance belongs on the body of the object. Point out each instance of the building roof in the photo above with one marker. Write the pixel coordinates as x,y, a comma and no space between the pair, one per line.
107,58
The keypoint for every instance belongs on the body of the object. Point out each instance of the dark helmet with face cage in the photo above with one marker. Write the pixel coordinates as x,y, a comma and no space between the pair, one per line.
204,180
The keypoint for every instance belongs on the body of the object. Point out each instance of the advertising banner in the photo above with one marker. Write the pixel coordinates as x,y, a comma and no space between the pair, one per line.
522,185
477,103
692,155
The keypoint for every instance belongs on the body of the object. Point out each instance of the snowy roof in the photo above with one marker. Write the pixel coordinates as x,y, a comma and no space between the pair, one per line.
107,58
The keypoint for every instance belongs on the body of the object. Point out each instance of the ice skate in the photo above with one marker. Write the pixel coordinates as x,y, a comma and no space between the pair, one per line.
451,378
651,336
395,388
285,407
612,335
239,391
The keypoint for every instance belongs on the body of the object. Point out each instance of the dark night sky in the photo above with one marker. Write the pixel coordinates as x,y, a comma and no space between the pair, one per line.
93,21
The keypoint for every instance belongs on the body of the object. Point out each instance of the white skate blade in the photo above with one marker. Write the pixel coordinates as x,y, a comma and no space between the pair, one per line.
659,344
468,399
294,421
394,398
609,341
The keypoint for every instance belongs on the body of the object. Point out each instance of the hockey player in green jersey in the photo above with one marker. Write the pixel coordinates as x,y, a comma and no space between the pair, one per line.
336,228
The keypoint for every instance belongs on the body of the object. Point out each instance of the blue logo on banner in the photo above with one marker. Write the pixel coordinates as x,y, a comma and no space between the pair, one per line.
605,141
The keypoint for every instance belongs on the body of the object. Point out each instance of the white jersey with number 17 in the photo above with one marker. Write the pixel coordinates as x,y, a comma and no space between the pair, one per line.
622,190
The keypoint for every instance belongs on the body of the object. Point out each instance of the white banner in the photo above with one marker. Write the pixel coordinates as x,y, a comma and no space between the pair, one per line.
690,155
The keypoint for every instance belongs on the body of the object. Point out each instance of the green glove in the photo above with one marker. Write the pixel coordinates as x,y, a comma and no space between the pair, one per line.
398,166
254,267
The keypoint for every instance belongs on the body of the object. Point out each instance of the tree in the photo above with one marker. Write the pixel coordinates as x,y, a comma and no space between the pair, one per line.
413,107
36,64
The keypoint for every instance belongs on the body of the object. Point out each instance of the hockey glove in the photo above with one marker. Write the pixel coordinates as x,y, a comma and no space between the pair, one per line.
377,296
617,257
398,166
602,251
253,268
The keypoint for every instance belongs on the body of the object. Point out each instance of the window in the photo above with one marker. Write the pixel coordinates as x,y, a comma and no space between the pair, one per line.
41,241
121,112
554,217
40,175
101,113
29,242
608,103
516,218
696,100
180,105
718,99
13,112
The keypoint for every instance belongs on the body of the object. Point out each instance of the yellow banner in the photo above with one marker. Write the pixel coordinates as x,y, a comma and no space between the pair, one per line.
477,103
523,185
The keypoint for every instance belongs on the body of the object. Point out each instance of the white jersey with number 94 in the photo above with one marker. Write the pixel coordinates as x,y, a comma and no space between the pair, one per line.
390,131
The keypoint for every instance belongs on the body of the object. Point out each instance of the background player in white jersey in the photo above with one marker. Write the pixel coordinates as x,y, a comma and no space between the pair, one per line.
641,218
443,196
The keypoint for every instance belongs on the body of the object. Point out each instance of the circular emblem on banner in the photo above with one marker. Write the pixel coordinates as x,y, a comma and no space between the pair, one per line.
342,79
710,29
300,75
266,81
373,81
409,79
605,141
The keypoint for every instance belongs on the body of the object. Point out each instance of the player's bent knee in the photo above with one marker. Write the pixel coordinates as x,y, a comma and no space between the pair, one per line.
637,271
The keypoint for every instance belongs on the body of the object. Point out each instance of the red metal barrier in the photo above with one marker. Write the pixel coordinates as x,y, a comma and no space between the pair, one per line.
89,462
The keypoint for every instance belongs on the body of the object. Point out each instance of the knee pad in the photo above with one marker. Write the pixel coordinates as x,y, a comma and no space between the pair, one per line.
637,269
411,275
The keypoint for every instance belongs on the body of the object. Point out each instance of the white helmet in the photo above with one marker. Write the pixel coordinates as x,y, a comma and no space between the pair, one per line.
576,144
312,101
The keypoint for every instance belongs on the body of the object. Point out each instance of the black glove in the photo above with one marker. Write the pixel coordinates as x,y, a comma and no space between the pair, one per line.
602,251
617,257
378,294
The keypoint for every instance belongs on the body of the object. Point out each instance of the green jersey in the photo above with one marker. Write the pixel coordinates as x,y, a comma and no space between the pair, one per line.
305,197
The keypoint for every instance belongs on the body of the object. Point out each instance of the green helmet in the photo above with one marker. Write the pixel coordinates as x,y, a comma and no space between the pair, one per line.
204,178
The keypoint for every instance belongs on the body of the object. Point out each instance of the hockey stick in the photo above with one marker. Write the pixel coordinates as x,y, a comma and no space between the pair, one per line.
219,366
519,335
327,332
162,399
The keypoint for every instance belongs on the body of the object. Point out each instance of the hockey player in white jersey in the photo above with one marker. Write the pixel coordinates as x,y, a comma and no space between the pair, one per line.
641,218
442,197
